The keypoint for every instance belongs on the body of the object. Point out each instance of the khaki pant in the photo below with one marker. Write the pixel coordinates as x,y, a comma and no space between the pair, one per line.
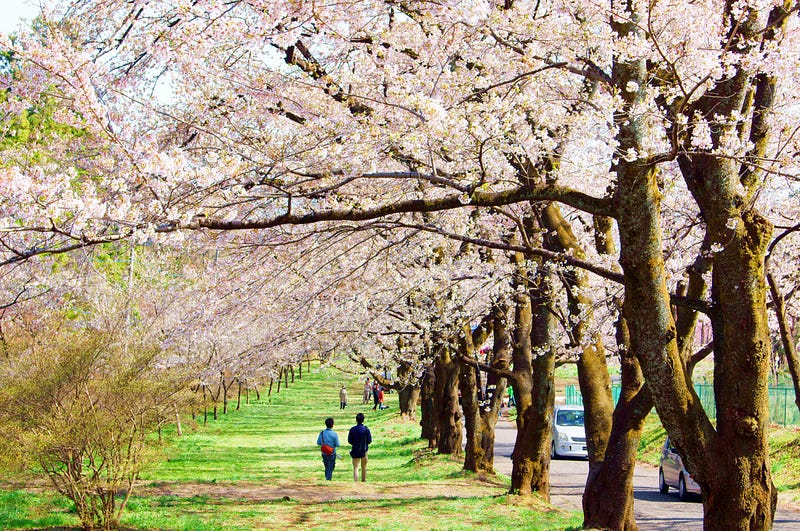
363,461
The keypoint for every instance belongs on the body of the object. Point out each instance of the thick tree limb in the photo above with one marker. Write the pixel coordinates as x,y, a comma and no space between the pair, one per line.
518,194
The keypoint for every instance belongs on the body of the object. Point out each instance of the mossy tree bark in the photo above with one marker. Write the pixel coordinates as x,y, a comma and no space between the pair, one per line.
446,368
532,379
428,422
408,391
474,458
608,496
593,377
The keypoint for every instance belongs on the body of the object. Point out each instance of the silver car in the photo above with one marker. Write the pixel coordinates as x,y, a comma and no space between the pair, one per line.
569,435
672,473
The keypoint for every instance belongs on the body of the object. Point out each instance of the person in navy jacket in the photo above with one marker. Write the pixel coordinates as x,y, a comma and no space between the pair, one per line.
360,438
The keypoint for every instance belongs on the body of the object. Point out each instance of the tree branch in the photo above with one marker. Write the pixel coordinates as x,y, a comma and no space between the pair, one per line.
504,373
568,196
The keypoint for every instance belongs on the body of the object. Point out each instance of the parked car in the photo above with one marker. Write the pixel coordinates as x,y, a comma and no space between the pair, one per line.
569,435
672,473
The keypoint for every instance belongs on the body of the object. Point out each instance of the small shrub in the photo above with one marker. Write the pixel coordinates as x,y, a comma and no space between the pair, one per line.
81,408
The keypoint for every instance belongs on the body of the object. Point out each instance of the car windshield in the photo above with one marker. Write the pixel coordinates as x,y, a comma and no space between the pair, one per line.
569,418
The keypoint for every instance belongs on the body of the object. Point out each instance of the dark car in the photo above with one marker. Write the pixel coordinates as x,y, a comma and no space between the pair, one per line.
672,473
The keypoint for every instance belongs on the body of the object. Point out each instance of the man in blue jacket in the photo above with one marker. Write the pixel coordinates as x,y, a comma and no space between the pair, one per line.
360,438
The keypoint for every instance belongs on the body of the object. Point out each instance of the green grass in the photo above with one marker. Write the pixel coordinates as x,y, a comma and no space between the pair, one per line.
652,440
20,509
259,468
784,446
399,513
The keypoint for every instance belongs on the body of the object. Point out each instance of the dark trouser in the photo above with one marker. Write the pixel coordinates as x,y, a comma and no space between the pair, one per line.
330,463
375,399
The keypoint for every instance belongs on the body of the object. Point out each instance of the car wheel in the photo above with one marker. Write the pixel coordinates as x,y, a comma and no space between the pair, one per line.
663,488
553,453
683,494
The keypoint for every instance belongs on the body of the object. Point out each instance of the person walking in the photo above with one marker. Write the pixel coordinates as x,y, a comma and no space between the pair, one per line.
375,387
330,438
367,391
360,438
343,398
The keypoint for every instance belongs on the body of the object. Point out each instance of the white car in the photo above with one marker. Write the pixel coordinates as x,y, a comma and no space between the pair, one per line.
569,435
672,473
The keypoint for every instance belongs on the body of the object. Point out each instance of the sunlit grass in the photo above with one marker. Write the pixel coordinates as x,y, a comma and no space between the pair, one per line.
652,440
21,509
785,455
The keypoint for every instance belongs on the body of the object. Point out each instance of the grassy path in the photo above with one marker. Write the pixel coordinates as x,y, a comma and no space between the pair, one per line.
259,468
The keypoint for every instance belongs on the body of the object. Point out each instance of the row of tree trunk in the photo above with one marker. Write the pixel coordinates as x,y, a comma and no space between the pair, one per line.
523,356
219,392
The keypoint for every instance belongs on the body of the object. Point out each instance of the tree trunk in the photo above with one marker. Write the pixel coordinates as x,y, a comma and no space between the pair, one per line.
178,425
495,386
608,497
408,391
224,385
205,407
593,377
531,471
647,302
533,384
446,392
430,428
469,377
474,460
742,494
408,398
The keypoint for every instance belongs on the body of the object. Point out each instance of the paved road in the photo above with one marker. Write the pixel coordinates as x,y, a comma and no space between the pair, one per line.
653,511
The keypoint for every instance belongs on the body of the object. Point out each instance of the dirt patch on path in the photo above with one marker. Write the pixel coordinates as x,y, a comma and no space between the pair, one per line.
323,491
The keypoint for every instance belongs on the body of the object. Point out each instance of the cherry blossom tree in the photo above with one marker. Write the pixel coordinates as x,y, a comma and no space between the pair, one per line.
269,116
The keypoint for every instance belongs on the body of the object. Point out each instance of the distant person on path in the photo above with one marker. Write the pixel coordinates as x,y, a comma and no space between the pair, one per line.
367,391
331,438
343,398
360,438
